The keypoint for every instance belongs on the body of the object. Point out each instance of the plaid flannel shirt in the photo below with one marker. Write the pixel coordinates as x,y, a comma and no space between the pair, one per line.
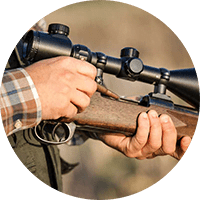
21,107
19,103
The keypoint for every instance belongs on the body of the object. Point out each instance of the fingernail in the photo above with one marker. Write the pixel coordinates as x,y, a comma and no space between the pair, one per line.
144,115
154,114
165,119
186,141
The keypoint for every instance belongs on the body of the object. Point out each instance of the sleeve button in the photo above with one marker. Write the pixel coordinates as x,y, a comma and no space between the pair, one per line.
18,124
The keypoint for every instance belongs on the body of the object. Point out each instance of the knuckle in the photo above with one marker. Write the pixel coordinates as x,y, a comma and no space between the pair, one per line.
128,151
68,75
141,140
63,59
65,89
92,88
64,63
129,154
155,126
71,114
93,71
155,146
84,103
71,111
168,150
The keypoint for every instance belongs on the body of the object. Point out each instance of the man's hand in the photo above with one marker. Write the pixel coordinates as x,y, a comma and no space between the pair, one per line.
64,85
154,136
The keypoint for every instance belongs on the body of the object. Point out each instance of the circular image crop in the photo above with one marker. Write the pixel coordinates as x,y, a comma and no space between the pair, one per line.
100,100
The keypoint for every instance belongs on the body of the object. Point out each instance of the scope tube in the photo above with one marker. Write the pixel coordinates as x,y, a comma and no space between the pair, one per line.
40,45
150,75
113,65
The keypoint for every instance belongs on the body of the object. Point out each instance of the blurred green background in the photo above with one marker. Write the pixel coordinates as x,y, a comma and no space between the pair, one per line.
106,26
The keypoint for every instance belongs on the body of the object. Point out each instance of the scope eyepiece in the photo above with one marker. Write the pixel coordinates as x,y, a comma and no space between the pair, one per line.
40,45
30,46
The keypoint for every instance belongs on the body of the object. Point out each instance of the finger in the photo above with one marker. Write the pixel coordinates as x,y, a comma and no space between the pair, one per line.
169,134
141,137
70,111
85,84
185,142
180,150
115,140
80,100
131,147
75,65
85,68
155,135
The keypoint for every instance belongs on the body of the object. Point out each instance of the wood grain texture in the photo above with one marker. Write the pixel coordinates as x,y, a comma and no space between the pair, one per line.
119,116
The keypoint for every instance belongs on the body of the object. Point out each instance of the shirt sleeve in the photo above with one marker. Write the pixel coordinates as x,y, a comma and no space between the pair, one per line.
20,104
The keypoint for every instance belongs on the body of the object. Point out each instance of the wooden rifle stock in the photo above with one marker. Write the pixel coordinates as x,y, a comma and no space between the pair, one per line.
109,115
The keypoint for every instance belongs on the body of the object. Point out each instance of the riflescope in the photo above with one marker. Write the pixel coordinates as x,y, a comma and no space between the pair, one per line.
41,45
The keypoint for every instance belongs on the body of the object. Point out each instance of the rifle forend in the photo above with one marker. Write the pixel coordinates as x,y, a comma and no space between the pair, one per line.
102,116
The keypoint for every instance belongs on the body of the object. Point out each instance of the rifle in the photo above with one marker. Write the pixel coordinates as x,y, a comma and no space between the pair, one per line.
107,111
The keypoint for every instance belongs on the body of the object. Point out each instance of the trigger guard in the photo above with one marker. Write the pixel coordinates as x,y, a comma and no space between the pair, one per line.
71,127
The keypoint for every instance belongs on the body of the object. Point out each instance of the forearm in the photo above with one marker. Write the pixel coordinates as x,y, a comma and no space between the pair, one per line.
20,104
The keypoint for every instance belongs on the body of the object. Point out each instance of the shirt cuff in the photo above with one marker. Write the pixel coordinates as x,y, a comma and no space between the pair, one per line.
20,103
